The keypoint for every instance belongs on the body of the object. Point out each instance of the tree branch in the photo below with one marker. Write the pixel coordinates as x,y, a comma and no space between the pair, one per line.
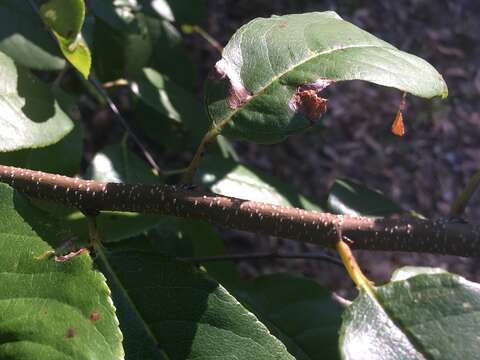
395,234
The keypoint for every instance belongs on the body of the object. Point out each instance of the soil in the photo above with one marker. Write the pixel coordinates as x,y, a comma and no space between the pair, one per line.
424,170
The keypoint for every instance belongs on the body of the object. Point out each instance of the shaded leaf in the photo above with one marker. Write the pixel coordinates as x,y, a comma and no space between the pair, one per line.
108,51
47,306
171,101
267,60
189,314
188,238
118,164
427,316
182,12
298,311
120,53
229,178
24,39
60,158
64,17
30,116
161,129
178,66
348,197
118,14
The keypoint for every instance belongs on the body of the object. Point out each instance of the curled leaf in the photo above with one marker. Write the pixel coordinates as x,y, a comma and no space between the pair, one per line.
256,93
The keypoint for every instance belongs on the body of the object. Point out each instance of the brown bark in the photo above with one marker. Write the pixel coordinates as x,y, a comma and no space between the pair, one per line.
395,234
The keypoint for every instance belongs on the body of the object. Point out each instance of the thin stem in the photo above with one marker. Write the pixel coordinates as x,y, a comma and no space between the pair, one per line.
464,197
352,267
174,172
61,75
114,109
214,43
197,158
393,234
102,260
118,82
266,255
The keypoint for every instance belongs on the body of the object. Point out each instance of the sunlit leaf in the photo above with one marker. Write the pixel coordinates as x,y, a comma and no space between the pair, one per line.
186,312
229,178
30,116
273,70
348,197
49,309
429,315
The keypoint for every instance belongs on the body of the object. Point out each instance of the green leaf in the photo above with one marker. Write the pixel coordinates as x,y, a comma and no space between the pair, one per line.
177,66
60,158
348,197
182,12
120,53
64,17
118,14
407,272
30,117
171,101
267,60
188,238
119,164
229,178
24,39
186,312
108,51
427,316
298,311
77,54
49,309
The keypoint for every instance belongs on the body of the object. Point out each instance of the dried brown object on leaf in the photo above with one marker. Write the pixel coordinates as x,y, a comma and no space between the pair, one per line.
307,100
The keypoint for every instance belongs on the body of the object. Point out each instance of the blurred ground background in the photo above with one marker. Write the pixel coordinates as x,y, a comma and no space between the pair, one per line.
423,171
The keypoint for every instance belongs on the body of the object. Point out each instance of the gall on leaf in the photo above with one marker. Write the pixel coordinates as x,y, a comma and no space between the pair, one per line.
307,100
398,126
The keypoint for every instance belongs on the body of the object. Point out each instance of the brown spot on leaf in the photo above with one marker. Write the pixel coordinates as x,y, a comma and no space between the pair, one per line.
307,99
71,255
94,316
70,333
237,93
237,96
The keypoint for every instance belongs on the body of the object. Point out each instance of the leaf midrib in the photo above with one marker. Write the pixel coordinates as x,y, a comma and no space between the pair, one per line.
231,114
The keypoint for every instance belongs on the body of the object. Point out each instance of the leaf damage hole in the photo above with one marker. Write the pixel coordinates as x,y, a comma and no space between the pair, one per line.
307,100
